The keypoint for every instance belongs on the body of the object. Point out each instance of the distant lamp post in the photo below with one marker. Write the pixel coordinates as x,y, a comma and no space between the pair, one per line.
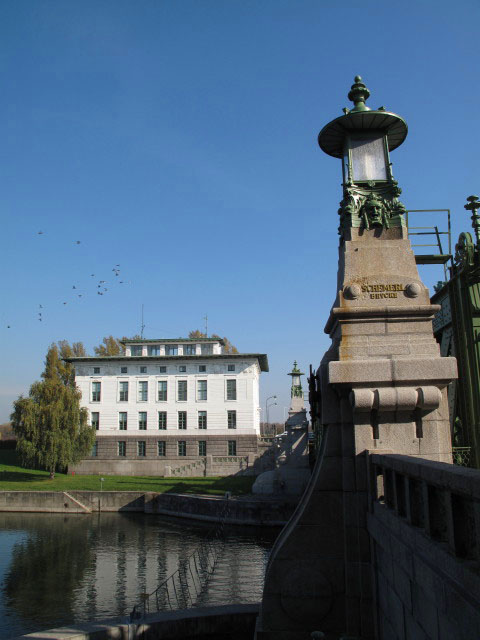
296,391
267,407
362,138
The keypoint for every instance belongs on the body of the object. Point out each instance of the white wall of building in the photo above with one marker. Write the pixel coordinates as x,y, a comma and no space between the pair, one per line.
246,405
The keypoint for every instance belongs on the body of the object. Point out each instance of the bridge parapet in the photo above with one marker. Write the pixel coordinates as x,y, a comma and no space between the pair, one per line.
424,523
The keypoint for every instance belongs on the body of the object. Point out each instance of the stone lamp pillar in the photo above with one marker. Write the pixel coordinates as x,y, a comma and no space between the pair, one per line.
297,406
381,386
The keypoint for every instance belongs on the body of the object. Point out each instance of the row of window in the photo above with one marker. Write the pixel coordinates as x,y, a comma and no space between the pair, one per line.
202,368
162,448
162,390
172,350
162,420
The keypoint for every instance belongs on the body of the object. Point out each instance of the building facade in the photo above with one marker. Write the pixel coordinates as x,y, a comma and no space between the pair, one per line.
171,407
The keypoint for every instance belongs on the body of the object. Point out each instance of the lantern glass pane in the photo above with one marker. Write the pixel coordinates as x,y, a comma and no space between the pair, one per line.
368,157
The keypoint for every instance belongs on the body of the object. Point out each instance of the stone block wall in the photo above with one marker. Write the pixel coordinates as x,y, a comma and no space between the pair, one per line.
216,462
424,524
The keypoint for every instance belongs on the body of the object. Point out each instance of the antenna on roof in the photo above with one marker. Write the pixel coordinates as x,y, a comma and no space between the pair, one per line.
206,325
142,326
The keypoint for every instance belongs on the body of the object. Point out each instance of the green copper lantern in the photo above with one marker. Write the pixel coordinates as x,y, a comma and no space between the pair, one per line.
362,138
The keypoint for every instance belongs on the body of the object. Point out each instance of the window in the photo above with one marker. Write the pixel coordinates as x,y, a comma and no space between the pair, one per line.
122,448
182,419
171,350
201,389
161,448
202,368
96,391
94,451
231,367
231,389
123,391
154,350
162,369
142,420
202,419
123,369
207,349
232,419
122,420
143,369
96,369
162,390
162,419
202,447
182,368
182,391
189,349
143,391
232,447
95,420
141,448
182,448
137,350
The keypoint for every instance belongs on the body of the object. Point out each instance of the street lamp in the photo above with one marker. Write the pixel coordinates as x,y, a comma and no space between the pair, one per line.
267,406
363,138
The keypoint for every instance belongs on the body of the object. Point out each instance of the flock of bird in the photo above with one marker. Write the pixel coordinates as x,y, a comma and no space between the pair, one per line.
101,288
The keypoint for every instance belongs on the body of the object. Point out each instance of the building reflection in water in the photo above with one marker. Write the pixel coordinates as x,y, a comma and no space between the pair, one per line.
64,569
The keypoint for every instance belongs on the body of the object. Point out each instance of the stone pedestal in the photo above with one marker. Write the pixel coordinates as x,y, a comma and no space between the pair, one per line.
383,388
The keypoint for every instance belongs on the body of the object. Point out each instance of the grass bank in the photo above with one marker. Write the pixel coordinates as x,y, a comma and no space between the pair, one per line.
13,477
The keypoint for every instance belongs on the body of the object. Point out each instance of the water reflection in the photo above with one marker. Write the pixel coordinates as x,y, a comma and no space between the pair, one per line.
64,569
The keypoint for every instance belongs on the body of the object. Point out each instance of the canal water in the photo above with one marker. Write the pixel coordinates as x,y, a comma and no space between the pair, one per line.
57,570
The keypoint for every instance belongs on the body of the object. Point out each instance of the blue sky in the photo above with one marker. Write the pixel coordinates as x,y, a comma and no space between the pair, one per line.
177,138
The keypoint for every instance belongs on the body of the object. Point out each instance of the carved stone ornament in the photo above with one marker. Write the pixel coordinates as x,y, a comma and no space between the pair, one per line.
382,399
371,206
352,292
413,290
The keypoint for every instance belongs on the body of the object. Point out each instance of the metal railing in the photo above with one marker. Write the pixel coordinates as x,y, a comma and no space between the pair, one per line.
183,588
462,456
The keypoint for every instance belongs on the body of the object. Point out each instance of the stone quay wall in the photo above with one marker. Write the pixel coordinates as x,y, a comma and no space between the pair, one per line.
242,511
232,622
424,524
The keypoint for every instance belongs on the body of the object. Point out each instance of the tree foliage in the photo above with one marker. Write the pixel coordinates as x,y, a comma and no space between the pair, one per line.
228,347
50,425
110,346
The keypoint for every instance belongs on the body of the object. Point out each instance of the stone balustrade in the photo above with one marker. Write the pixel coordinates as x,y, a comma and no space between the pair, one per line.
424,524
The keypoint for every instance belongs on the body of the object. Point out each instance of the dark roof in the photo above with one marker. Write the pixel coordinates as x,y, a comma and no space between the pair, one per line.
261,357
175,340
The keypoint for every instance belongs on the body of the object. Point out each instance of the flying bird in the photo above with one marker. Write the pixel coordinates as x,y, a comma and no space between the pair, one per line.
79,295
64,303
77,241
74,287
8,326
93,275
40,233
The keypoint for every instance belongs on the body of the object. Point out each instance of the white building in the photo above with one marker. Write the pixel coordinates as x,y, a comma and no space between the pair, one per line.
171,407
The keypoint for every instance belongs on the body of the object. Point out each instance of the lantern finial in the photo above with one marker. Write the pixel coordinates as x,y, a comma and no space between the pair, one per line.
473,206
358,94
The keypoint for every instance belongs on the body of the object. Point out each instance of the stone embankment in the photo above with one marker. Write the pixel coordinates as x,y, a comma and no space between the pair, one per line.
232,622
245,510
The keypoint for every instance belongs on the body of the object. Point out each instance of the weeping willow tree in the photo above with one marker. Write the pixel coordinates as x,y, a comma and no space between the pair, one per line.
52,429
